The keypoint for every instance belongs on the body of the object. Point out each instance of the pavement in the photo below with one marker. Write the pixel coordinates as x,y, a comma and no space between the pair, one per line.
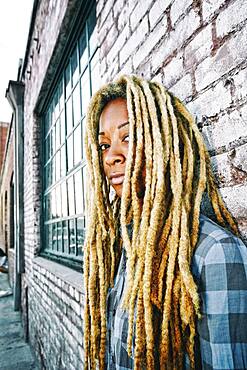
15,353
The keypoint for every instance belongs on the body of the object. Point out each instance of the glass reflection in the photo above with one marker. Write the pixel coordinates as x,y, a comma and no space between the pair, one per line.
47,206
70,152
49,236
65,237
63,161
58,134
80,235
83,51
67,81
77,104
92,31
69,118
79,192
77,145
85,91
58,201
54,236
95,74
59,237
74,67
60,94
72,236
64,199
58,165
71,196
62,126
53,204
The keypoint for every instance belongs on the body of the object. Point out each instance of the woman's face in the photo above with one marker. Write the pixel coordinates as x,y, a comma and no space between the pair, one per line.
114,141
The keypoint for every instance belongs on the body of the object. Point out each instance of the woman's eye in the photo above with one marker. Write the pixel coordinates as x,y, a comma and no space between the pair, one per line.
103,146
126,138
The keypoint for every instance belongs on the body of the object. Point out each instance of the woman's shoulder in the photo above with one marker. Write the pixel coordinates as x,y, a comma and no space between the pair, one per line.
217,246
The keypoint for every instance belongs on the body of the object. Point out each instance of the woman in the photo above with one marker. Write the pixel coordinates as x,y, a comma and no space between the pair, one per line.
159,287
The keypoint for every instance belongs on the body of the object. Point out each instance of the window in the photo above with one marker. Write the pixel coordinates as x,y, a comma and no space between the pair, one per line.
64,157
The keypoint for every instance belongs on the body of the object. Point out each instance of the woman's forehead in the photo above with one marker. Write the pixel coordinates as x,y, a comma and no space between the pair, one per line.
114,113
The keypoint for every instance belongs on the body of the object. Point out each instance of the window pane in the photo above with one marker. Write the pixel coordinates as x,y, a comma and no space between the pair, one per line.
74,67
67,81
59,237
53,204
83,136
57,134
80,235
58,201
85,91
64,200
71,196
95,75
47,175
49,227
72,241
63,161
69,118
79,192
65,237
56,105
52,171
62,126
57,165
47,207
92,31
61,95
48,120
85,177
47,148
70,152
77,145
54,236
52,148
83,50
77,104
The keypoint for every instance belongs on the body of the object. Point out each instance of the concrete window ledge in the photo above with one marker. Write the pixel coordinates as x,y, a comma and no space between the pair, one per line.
66,274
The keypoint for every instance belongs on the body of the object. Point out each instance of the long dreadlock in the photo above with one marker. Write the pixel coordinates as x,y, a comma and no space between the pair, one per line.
165,137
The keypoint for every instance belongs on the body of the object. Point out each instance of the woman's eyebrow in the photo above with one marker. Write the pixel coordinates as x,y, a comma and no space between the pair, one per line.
120,126
123,124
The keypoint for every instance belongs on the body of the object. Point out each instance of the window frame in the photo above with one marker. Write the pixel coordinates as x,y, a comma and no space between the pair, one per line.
73,46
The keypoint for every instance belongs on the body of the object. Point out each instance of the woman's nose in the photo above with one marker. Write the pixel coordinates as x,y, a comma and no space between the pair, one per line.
114,155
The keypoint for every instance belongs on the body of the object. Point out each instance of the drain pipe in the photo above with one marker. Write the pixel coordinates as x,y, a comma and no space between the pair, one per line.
15,96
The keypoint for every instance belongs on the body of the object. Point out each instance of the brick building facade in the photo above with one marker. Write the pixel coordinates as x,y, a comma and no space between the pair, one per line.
6,193
196,48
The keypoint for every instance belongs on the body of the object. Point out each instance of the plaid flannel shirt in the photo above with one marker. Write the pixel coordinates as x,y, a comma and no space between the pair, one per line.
219,267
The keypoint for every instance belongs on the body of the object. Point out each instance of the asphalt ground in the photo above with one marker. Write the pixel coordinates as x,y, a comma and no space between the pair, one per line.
15,353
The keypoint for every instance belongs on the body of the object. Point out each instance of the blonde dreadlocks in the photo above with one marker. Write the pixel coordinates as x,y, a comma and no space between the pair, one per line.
164,136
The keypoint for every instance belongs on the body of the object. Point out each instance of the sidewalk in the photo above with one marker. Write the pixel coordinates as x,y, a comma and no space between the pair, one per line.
15,353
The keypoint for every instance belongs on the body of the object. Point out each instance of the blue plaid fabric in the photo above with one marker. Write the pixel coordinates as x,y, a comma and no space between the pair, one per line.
219,267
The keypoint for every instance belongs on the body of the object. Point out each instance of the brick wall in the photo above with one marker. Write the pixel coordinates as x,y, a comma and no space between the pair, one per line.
50,302
7,171
197,49
3,137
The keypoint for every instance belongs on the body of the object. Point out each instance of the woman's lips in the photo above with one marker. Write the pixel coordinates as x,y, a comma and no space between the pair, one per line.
117,179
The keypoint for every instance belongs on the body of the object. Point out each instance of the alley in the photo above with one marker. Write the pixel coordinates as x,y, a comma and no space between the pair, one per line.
15,353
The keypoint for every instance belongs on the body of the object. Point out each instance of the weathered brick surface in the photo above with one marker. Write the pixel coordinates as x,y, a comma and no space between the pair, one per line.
157,11
178,9
210,7
231,18
56,317
198,50
6,173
